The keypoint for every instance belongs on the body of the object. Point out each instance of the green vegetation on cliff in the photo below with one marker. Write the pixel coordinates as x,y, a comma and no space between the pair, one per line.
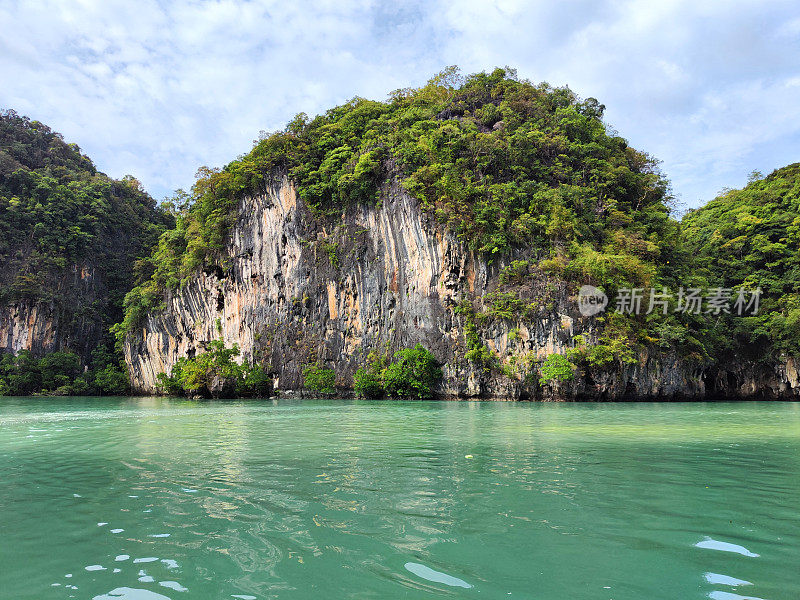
215,373
317,378
57,212
751,237
525,170
502,162
413,373
61,374
525,175
70,239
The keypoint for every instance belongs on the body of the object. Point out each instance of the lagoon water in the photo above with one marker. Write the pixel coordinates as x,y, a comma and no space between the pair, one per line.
146,499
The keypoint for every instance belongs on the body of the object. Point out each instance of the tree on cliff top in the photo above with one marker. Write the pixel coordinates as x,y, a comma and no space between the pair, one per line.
515,167
59,216
751,238
500,161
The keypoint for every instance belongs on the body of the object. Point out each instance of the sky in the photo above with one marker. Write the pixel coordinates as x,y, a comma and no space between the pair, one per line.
157,89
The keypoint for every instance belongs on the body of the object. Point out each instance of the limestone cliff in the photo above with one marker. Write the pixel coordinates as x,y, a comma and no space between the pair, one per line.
68,319
292,289
70,237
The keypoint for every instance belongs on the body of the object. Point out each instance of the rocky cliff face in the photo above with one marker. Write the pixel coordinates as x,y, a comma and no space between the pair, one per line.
28,326
292,289
68,320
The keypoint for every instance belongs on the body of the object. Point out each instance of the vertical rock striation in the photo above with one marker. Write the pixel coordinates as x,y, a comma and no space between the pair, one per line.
70,319
292,289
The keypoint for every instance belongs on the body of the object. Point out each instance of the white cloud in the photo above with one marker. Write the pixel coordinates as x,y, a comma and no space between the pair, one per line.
158,88
701,85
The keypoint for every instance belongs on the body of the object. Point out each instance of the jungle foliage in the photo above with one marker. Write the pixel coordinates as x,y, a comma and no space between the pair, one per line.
502,162
57,212
516,167
71,238
318,378
62,374
413,373
526,175
751,238
556,369
215,373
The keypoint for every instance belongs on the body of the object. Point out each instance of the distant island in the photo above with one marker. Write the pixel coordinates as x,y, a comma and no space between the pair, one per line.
477,237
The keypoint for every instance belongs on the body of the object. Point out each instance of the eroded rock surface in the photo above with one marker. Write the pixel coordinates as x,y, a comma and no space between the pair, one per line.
292,289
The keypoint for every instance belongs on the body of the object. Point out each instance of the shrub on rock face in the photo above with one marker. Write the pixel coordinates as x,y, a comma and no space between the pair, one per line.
319,379
367,384
413,374
61,374
58,369
215,374
556,369
111,380
368,380
257,383
108,375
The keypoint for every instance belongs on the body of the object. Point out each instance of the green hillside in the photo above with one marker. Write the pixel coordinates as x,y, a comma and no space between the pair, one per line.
524,170
525,174
70,238
751,238
504,163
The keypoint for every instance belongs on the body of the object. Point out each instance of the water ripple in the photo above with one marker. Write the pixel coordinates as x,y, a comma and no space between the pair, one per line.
302,500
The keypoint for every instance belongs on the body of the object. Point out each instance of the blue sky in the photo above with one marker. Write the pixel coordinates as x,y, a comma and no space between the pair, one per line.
157,89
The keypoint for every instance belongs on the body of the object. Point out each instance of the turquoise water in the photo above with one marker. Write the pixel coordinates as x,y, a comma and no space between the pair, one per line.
145,499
